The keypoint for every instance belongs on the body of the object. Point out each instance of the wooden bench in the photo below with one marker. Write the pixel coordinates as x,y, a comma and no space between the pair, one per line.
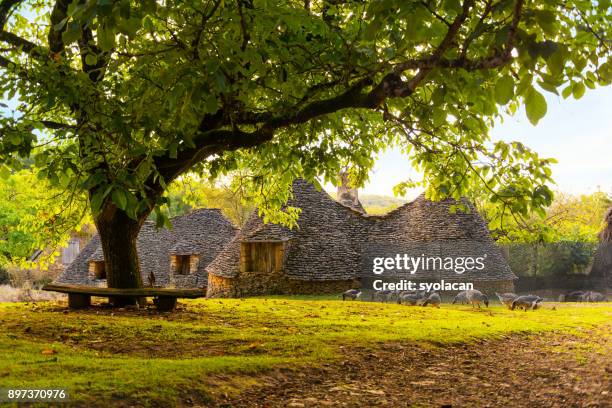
79,297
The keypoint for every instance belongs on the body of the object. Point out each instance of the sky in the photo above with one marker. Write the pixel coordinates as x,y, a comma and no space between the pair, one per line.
578,133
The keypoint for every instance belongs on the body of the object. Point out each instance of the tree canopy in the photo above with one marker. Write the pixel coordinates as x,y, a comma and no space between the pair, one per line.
118,98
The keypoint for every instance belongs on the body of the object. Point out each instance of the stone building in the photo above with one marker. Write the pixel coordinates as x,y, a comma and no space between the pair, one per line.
175,258
437,232
329,251
56,259
332,246
320,256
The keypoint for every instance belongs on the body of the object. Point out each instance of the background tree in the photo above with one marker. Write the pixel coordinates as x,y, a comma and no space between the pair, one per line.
34,216
191,192
575,218
560,241
119,98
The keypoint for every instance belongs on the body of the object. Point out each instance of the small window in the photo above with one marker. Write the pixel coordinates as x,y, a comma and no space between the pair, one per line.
265,256
98,269
182,265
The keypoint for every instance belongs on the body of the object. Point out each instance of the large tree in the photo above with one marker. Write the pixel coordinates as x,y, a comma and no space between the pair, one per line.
119,98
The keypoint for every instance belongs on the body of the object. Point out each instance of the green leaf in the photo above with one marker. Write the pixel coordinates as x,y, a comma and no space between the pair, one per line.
504,89
130,26
119,197
98,198
452,5
535,106
438,95
210,104
106,38
546,19
372,29
91,59
578,90
73,33
567,91
14,138
548,87
438,117
173,150
60,26
524,85
556,62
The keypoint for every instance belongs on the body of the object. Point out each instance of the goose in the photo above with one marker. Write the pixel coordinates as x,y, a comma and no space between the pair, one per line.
411,298
526,302
592,296
506,298
461,297
352,294
434,300
382,295
476,297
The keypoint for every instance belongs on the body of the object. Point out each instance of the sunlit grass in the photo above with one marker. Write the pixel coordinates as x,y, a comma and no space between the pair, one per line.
156,357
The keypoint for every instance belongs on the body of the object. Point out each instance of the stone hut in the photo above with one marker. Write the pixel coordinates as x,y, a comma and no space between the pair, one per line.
176,257
319,256
437,231
65,254
331,248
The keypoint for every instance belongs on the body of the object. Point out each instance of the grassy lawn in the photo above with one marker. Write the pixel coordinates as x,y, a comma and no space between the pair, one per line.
213,346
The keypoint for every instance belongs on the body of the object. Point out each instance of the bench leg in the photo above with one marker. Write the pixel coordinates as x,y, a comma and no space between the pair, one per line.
165,303
142,302
78,301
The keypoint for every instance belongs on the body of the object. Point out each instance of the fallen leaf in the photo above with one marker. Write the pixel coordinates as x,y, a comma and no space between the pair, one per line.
376,392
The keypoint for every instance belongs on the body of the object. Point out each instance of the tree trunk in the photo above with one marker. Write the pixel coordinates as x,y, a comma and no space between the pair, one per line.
601,269
606,234
118,237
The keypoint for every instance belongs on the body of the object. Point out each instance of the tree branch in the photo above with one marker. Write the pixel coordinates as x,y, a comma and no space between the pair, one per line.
59,13
88,45
461,62
476,32
350,98
18,42
50,124
207,144
5,62
243,27
212,141
436,15
5,10
392,85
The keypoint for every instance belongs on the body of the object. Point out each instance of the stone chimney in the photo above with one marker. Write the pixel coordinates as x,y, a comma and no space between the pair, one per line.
347,195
